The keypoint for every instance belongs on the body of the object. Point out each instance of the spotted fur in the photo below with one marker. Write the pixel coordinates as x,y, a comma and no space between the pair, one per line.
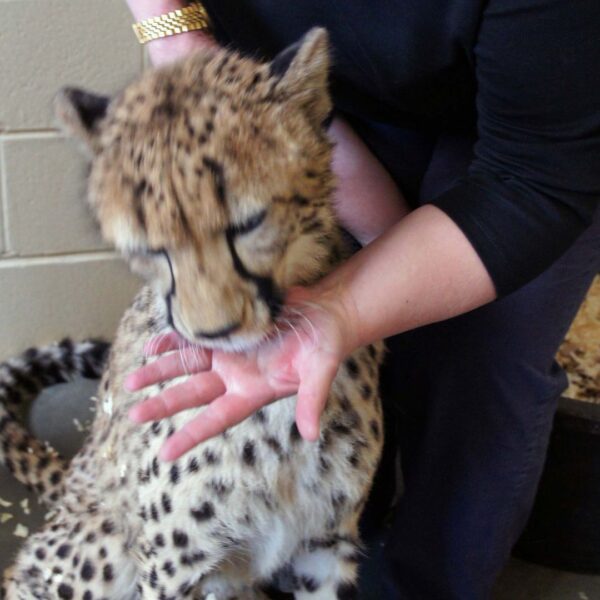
38,466
213,178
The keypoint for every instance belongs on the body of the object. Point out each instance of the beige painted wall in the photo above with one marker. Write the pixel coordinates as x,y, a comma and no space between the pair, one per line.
57,278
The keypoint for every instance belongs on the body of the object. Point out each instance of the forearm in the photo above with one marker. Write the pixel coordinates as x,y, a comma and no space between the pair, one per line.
420,271
367,200
168,49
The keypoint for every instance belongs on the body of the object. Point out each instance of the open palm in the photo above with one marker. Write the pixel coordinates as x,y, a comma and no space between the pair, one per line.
235,385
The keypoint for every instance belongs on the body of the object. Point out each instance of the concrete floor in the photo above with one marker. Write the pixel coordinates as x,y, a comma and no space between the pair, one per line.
59,414
524,581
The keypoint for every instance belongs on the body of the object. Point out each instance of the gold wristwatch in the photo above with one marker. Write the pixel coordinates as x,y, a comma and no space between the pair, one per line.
189,18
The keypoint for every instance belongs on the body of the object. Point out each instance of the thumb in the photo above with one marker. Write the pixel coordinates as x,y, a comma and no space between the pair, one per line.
315,382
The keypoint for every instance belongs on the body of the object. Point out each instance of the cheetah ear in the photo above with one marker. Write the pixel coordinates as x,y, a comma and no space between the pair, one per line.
303,69
80,113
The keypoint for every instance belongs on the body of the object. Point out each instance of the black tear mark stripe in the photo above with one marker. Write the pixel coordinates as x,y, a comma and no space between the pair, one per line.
168,258
139,191
216,170
266,288
171,292
181,213
169,302
140,213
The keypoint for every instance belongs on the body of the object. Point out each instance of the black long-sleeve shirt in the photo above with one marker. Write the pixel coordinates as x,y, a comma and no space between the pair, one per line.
525,73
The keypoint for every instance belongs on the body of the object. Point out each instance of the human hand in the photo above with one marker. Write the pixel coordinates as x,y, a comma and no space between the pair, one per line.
314,341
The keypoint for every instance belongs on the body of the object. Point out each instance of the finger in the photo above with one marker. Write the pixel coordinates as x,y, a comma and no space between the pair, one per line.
223,413
196,391
184,362
165,342
313,391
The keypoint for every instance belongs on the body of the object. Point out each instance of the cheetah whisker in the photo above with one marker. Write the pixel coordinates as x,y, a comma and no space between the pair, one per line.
291,326
197,354
155,343
182,357
279,334
300,314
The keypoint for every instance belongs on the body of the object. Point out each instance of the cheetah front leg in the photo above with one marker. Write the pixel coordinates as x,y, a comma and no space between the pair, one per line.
175,568
162,583
327,569
225,586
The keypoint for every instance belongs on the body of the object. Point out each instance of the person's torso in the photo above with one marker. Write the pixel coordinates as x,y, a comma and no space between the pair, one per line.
394,61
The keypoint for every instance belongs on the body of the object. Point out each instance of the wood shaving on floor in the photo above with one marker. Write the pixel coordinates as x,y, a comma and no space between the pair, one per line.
579,354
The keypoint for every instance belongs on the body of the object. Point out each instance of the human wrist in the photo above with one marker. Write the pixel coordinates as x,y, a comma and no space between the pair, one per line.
334,296
168,49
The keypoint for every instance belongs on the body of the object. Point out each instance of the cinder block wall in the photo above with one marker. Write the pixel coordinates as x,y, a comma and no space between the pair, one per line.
57,278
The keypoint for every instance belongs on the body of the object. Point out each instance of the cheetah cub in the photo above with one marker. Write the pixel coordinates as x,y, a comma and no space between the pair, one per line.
212,177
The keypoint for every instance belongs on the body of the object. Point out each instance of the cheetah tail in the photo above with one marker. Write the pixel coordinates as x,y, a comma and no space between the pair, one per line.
32,462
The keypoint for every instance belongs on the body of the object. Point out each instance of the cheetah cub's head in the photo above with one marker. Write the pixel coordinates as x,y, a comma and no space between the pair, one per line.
212,177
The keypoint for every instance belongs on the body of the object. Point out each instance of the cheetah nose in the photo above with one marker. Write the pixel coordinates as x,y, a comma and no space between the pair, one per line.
219,333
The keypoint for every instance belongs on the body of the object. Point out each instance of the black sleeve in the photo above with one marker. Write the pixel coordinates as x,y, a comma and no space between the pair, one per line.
534,183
